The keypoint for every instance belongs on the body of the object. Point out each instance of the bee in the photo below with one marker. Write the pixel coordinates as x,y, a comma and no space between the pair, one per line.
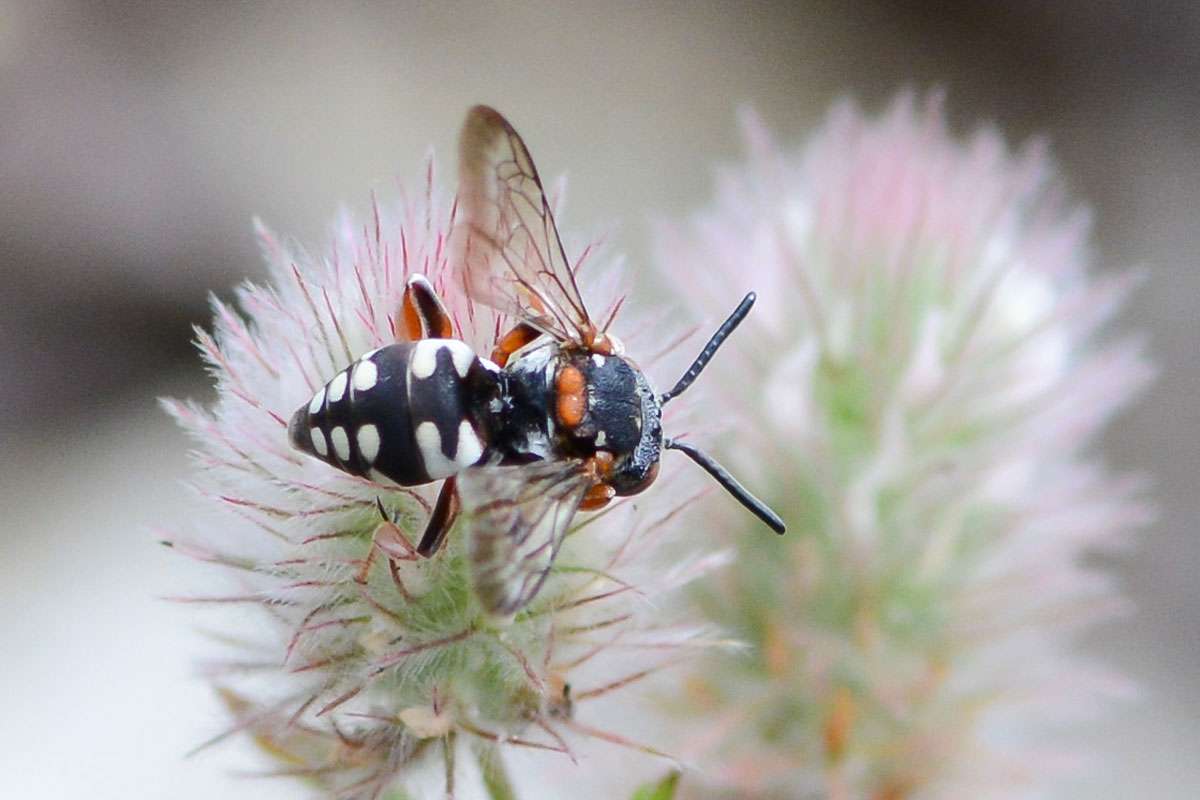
558,420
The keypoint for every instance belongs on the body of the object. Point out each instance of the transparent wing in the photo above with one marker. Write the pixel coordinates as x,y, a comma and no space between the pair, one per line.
506,246
516,518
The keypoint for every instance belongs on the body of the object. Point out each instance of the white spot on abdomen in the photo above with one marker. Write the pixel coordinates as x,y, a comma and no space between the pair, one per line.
469,447
318,442
423,362
601,439
337,387
598,359
318,400
341,444
368,443
461,355
429,442
424,357
365,376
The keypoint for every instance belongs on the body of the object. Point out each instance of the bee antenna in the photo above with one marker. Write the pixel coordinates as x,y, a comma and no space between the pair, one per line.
710,349
755,506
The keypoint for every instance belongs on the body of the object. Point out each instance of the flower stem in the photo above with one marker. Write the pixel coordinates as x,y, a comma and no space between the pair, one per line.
449,744
495,776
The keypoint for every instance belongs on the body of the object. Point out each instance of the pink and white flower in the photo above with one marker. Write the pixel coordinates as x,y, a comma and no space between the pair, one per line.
916,393
363,669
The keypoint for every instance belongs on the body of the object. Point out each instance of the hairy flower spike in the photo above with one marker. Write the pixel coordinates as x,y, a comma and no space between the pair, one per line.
371,671
924,377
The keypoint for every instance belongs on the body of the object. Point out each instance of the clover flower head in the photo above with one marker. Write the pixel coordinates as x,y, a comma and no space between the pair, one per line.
918,389
366,670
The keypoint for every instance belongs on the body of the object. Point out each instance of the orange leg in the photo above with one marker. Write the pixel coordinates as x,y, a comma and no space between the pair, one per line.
422,313
513,341
391,541
600,465
597,497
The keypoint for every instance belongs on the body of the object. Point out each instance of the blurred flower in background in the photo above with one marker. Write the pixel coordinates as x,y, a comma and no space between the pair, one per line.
371,672
140,138
915,392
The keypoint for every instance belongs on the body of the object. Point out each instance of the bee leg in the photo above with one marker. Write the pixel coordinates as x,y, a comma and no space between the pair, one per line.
597,497
519,336
389,540
445,511
422,312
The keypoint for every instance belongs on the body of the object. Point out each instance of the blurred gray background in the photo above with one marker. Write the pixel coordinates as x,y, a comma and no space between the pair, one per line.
137,141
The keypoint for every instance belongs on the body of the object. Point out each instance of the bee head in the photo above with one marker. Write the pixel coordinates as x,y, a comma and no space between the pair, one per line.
606,404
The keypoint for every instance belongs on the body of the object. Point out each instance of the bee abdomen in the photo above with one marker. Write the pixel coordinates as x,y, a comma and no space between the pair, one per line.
403,412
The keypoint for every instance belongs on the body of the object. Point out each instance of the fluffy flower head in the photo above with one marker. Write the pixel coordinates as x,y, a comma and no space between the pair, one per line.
928,377
371,671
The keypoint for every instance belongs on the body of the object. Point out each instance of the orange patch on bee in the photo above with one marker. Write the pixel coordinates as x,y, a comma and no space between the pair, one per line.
423,313
600,343
513,341
412,321
597,497
599,465
572,396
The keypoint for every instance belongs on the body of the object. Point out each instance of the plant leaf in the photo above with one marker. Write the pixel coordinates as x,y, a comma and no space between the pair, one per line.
663,790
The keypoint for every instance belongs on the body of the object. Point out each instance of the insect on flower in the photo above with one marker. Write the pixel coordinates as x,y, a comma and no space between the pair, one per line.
558,420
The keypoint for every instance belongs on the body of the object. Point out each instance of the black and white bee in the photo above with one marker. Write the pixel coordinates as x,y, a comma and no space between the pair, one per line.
558,420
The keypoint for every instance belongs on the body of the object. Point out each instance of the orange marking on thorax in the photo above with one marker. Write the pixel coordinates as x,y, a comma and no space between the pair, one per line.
572,396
